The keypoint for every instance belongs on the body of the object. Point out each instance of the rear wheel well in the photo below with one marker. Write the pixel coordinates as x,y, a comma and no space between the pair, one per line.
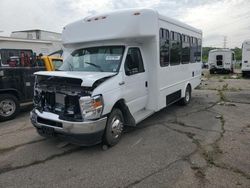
189,85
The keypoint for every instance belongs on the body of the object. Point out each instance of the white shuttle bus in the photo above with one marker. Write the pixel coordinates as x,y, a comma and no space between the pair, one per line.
245,68
123,67
221,60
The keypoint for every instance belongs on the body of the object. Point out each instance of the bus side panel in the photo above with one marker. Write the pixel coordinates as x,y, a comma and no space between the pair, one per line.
246,58
176,77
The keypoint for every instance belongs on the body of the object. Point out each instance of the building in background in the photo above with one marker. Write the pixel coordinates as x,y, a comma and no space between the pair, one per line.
39,41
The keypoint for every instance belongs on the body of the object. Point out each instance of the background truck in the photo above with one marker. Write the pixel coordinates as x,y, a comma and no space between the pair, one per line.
52,63
221,60
17,80
245,68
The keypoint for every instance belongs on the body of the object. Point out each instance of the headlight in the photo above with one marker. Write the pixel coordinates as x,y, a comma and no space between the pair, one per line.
91,107
37,99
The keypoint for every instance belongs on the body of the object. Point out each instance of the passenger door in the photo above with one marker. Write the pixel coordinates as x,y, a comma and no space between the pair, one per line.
135,81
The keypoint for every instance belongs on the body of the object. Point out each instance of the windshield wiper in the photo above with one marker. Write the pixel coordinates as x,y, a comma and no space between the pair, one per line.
94,65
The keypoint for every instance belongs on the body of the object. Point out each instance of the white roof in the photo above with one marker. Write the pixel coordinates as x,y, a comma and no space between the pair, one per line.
246,42
12,39
220,50
122,24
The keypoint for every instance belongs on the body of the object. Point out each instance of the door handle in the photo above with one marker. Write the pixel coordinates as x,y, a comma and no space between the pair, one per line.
146,84
121,83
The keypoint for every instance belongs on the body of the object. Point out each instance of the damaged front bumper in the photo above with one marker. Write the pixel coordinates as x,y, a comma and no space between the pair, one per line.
81,133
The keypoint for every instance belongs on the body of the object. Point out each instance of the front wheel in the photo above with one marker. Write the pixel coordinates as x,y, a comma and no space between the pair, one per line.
9,107
187,97
114,127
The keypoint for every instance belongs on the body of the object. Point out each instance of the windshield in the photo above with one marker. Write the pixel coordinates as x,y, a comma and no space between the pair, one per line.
57,63
94,59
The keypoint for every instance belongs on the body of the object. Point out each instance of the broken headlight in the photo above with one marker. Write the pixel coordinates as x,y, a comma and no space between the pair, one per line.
91,107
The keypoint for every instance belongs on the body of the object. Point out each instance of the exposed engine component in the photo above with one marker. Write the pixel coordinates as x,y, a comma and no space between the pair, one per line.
60,96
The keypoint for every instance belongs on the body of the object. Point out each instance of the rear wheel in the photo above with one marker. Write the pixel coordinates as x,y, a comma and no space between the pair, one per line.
9,107
114,128
243,74
187,97
211,71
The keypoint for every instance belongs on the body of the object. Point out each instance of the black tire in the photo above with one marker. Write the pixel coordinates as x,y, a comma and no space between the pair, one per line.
9,107
187,98
114,128
232,70
243,74
211,71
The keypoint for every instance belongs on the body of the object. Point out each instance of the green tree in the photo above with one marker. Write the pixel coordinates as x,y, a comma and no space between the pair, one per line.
238,53
205,51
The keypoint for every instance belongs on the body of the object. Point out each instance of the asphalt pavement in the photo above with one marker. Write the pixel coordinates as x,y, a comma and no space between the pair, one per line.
204,144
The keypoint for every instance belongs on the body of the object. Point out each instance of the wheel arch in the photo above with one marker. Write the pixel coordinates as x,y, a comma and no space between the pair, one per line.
188,84
128,118
14,92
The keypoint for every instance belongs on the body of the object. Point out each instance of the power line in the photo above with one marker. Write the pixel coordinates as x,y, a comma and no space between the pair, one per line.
225,42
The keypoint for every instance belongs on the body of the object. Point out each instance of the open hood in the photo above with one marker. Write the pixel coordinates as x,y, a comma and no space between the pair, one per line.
88,78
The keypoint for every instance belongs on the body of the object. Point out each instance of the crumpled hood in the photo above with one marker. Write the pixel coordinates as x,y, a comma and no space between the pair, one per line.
88,78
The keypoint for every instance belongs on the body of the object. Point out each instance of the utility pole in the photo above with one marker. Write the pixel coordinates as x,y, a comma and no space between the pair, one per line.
225,42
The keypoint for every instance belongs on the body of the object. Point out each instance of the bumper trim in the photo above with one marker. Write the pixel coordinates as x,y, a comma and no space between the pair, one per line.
78,139
68,127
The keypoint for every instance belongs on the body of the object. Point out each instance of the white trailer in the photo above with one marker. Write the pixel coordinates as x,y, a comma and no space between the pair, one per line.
245,68
221,60
123,67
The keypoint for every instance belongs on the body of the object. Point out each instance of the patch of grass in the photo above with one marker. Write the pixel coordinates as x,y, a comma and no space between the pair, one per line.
200,173
233,89
222,96
225,87
209,157
226,77
206,75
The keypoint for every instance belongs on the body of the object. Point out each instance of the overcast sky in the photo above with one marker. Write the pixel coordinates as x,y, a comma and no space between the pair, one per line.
217,18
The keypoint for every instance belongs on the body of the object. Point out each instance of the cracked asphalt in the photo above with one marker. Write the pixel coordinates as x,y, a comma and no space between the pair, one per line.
204,144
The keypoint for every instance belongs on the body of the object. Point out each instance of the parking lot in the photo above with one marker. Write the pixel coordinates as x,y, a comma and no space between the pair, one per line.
204,144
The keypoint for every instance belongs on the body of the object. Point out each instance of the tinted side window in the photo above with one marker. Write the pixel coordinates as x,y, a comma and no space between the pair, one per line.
219,57
133,63
185,58
198,52
194,47
164,47
175,48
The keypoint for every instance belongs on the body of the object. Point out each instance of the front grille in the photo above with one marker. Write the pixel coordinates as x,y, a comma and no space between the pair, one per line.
66,106
49,122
